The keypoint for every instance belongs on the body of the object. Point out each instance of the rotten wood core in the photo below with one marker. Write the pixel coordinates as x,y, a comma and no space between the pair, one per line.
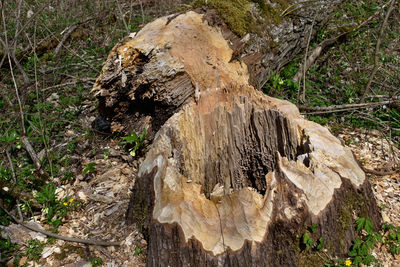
154,81
233,177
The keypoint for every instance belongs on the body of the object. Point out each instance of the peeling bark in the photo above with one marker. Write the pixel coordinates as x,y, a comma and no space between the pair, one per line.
233,177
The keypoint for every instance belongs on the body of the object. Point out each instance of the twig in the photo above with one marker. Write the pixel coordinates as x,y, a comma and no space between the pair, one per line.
295,6
379,173
14,177
302,96
42,126
65,238
367,116
68,33
31,152
9,52
64,38
326,43
66,84
12,75
338,108
27,145
141,8
123,18
377,48
7,48
3,93
71,51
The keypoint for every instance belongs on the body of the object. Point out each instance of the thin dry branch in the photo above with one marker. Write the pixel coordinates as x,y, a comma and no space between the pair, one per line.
69,50
302,96
377,65
68,33
65,238
89,81
28,147
326,43
340,108
12,75
3,93
14,177
123,18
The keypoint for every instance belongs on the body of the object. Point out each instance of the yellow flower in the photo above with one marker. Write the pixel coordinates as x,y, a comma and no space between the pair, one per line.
348,262
65,203
71,200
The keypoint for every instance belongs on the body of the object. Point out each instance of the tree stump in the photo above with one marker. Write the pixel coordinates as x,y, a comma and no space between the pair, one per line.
233,177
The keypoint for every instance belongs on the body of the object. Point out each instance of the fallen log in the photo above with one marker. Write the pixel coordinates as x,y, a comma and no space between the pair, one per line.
233,177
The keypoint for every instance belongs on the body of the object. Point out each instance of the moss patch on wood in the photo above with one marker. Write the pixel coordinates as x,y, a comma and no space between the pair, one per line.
238,16
236,13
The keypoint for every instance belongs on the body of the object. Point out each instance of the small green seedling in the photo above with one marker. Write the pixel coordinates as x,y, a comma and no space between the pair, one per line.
96,261
138,142
89,168
34,249
138,251
392,238
309,242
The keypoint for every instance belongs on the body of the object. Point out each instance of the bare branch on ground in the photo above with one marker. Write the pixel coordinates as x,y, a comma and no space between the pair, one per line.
65,238
377,65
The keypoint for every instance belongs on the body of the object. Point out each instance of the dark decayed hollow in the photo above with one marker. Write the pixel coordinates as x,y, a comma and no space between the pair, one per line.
242,145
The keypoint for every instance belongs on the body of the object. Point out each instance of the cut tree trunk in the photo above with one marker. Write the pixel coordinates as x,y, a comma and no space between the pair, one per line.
233,177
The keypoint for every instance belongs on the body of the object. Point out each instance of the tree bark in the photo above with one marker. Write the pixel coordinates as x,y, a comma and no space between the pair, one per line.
233,177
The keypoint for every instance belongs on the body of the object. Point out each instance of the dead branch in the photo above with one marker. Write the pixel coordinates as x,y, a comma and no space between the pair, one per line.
379,173
89,81
11,53
3,93
367,116
14,177
340,108
69,50
9,49
65,37
68,33
377,48
329,42
12,75
65,238
123,18
28,147
40,113
302,96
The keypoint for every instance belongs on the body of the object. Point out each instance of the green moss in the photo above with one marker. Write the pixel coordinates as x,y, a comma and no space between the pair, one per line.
236,13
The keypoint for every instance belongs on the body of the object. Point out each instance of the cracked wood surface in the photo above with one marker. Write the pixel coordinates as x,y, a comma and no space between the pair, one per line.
233,177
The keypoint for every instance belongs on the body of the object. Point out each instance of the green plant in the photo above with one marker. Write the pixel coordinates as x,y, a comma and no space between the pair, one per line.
137,251
106,153
9,137
360,252
6,248
135,143
281,85
89,168
392,238
96,261
308,242
4,174
54,209
34,249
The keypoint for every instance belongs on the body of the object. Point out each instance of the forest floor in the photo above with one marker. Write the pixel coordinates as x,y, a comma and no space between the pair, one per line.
83,189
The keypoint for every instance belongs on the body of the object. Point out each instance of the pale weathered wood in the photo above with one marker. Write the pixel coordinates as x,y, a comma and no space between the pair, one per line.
233,177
